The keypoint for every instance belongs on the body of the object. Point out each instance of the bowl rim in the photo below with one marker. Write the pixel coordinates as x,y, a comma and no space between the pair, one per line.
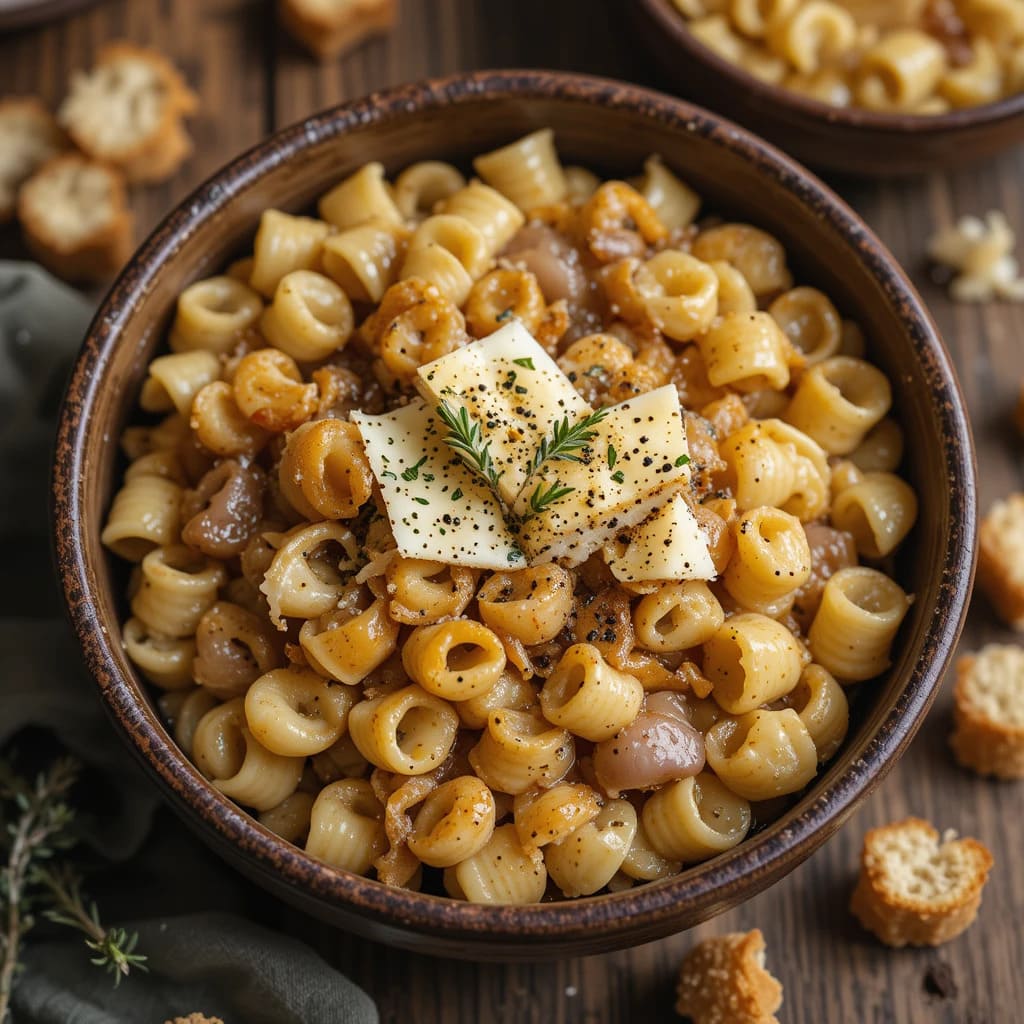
666,17
757,861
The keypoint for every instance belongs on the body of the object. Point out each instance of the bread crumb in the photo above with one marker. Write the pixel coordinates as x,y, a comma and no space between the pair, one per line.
195,1018
75,218
1001,559
29,136
988,711
327,27
916,889
128,111
723,980
981,254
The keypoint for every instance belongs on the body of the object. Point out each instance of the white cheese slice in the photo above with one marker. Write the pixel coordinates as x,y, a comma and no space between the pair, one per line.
635,461
438,509
667,545
513,389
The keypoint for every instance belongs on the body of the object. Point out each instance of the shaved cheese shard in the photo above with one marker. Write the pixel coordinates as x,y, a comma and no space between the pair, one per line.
438,509
631,466
513,389
667,545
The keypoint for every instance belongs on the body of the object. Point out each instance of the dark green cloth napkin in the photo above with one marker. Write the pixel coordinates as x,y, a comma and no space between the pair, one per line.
218,963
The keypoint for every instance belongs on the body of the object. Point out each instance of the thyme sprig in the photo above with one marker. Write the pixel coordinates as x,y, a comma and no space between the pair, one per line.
114,947
35,826
466,438
543,498
567,439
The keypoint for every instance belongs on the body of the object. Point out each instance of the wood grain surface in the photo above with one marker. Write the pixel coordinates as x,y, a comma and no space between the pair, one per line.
251,79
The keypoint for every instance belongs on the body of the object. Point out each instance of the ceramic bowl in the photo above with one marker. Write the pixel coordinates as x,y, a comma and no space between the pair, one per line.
845,140
612,127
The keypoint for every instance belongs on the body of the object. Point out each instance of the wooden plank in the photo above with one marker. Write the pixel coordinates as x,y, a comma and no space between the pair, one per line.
217,45
251,78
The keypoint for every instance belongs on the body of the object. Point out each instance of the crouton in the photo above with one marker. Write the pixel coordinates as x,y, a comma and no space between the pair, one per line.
917,888
328,27
723,980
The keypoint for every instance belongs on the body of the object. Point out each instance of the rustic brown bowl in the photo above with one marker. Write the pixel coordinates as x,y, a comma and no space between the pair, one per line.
612,127
845,140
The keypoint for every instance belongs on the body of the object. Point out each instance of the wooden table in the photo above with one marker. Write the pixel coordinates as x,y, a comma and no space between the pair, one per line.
251,80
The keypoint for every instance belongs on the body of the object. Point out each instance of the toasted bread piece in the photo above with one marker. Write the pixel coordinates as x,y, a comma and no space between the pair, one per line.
327,27
1001,559
917,888
723,980
75,218
29,136
988,711
128,111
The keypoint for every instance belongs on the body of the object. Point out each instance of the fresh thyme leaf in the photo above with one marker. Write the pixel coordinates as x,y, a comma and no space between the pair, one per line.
421,501
619,477
467,439
413,471
544,497
526,362
566,439
683,460
456,494
613,456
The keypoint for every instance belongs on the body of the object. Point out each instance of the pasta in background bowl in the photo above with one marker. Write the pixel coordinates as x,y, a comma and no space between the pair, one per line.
853,86
484,681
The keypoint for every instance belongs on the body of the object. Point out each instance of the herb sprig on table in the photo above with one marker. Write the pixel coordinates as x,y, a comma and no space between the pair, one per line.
35,829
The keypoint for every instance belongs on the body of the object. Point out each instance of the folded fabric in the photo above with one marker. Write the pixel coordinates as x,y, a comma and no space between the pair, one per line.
42,323
216,963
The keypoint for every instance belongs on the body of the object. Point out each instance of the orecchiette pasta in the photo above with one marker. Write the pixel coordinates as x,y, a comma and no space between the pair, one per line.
346,827
551,815
295,712
458,660
752,660
878,511
361,197
519,749
420,187
907,57
860,612
310,317
284,243
175,380
323,472
177,586
587,858
409,731
770,562
237,764
455,822
166,661
762,754
212,315
588,697
838,401
364,260
508,729
501,872
695,818
145,514
528,171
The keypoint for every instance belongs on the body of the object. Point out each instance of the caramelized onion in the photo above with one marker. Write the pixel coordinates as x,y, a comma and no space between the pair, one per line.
658,746
223,511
